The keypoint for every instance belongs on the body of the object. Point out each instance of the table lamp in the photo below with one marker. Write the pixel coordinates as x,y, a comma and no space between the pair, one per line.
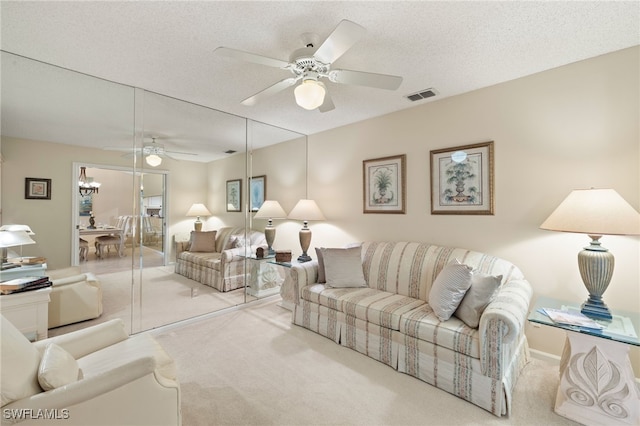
595,212
12,239
305,210
198,210
270,209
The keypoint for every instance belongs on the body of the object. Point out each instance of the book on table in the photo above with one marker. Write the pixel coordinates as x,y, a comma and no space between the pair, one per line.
18,285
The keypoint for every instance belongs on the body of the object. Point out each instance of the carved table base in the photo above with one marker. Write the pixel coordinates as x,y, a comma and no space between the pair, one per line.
597,384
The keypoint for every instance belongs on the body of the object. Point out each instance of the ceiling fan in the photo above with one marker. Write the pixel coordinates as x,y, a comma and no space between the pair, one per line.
152,152
308,65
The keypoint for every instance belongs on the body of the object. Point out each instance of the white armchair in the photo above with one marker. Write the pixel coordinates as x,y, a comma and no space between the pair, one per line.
124,380
74,296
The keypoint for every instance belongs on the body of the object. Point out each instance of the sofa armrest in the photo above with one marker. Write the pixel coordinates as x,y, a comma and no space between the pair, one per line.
85,341
239,253
89,277
502,325
56,274
182,246
88,388
302,274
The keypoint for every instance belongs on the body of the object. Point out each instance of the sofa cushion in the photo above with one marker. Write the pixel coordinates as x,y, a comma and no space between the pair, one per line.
449,288
204,241
380,308
480,294
422,323
20,361
208,260
330,297
343,267
57,368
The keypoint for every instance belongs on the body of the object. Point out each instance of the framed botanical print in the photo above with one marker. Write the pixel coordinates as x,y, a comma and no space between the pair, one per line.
384,184
37,189
462,180
258,188
234,195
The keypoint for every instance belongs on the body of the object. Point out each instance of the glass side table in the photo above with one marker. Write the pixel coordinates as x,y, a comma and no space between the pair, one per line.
597,383
265,278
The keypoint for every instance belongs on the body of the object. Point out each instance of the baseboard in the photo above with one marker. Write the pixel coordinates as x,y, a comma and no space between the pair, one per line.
545,356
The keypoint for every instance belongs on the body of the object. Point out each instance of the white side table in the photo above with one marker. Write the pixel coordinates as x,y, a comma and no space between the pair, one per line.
264,277
597,383
28,311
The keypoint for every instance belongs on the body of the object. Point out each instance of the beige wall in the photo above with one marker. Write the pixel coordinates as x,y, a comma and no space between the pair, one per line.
572,127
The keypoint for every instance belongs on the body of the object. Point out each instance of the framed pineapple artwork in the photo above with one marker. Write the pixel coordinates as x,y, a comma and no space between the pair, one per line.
384,184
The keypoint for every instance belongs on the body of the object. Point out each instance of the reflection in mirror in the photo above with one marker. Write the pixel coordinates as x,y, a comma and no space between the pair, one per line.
55,120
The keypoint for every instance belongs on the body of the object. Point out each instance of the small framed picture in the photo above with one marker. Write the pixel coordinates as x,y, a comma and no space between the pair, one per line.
384,181
37,189
234,195
462,179
258,188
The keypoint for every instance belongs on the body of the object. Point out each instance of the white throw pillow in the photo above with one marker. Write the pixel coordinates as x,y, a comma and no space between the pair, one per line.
449,288
203,241
57,368
482,291
343,267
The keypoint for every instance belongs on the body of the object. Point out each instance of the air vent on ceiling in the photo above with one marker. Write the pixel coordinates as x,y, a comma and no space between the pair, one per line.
230,151
424,94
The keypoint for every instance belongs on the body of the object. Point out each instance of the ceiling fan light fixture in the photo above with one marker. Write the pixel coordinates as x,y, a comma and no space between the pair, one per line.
309,94
153,160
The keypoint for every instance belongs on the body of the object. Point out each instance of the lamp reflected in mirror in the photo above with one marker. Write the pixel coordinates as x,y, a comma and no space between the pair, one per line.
198,210
13,239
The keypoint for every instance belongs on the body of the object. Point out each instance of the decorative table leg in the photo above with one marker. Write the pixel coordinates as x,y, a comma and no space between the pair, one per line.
597,383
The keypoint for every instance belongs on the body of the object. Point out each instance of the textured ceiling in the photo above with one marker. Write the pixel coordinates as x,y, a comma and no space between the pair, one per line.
455,47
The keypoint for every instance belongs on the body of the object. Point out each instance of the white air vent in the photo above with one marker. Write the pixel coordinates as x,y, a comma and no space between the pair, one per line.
423,94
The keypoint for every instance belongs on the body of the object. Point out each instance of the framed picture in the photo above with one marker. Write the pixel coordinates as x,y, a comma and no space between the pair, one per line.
462,179
384,184
234,195
37,189
86,205
258,188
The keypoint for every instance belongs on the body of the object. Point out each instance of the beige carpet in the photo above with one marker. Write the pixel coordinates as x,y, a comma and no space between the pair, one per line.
163,298
251,366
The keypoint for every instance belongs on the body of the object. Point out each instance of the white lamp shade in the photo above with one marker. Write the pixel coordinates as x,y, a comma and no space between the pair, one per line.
270,209
306,210
17,228
14,238
309,94
594,212
198,210
153,160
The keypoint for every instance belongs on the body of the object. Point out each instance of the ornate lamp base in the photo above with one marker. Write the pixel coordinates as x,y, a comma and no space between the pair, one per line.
270,236
305,241
596,269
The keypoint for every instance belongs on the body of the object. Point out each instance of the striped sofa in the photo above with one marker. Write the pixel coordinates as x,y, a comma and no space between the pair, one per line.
391,321
223,269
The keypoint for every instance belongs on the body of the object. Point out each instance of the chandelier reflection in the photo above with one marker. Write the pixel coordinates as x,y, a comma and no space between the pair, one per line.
84,186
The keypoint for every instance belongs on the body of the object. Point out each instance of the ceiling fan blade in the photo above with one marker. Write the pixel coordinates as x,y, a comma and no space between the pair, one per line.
327,104
251,57
178,152
270,91
360,78
117,148
345,35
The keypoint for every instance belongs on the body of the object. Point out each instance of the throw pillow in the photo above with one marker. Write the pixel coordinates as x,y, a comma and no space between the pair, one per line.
321,275
238,241
57,368
20,360
480,294
343,267
203,241
449,288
